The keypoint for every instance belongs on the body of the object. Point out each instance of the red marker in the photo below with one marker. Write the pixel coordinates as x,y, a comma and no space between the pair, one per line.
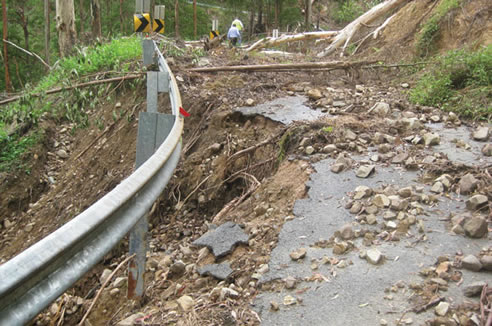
183,112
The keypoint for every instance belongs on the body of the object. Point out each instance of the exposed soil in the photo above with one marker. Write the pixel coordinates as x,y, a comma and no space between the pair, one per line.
207,180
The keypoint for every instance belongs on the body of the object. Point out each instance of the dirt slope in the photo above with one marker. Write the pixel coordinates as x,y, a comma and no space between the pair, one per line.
62,186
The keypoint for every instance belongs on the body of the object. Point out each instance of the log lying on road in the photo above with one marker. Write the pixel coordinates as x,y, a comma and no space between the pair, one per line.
270,41
288,66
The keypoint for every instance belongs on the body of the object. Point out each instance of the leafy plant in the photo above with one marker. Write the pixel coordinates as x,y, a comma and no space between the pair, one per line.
348,11
13,149
461,82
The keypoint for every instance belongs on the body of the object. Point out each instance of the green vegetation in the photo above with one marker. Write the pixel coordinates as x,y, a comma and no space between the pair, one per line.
28,110
283,145
430,30
460,81
349,10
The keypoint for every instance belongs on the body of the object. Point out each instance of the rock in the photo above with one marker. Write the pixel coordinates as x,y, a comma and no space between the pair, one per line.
382,109
374,256
214,294
118,105
62,154
274,306
405,85
350,135
486,262
431,139
474,289
458,229
314,94
435,118
405,192
446,180
346,232
119,282
219,271
437,188
298,254
186,302
177,269
481,134
215,148
228,293
391,225
250,102
356,208
289,300
362,192
471,263
383,322
385,148
104,276
339,104
467,184
442,308
290,282
397,204
399,158
337,167
487,150
371,219
365,170
340,248
309,150
223,239
7,224
476,202
411,164
130,321
381,201
329,148
114,292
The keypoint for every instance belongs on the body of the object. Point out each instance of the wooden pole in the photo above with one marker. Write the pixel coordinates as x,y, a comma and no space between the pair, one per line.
194,19
47,31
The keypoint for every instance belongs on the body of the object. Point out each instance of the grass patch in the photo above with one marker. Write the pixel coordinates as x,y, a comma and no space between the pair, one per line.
430,30
26,112
460,81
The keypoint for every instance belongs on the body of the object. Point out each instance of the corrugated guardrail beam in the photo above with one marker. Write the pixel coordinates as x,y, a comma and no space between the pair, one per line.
41,273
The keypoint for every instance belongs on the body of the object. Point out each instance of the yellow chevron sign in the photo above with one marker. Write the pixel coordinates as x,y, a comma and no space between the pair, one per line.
142,23
214,34
159,26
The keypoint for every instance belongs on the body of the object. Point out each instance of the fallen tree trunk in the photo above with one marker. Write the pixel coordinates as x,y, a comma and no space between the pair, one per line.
346,34
270,41
287,66
61,89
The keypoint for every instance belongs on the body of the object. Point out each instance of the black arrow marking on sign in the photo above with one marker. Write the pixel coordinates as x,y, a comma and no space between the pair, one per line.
159,27
144,22
214,33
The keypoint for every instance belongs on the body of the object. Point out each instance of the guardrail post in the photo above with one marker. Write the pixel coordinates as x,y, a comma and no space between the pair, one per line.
153,129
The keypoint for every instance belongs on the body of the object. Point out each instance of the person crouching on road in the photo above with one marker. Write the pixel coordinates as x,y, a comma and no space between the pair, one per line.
233,35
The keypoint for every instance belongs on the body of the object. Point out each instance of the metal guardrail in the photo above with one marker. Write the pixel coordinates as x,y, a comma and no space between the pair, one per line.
30,281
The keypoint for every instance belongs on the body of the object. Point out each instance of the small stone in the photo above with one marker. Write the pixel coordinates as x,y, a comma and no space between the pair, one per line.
356,208
476,202
371,219
476,227
431,139
289,300
290,282
337,167
487,150
250,102
486,262
228,293
274,306
474,289
350,135
405,85
329,148
381,201
119,282
219,271
467,184
458,229
405,192
340,248
215,148
435,118
362,192
391,225
186,302
481,134
346,232
309,150
471,263
298,254
389,215
62,154
374,256
385,148
442,308
104,276
177,269
399,158
130,321
314,94
437,188
383,322
381,109
114,292
365,170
